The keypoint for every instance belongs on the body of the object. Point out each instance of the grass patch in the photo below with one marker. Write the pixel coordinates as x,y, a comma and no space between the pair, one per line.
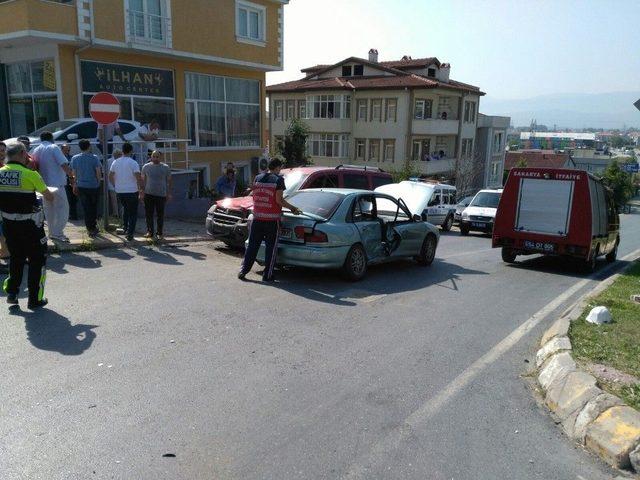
616,344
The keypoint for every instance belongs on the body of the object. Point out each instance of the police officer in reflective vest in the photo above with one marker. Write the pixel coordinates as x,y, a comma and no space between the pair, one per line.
23,222
268,201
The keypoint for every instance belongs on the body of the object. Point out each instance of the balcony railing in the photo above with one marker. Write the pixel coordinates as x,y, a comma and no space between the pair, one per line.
149,28
435,126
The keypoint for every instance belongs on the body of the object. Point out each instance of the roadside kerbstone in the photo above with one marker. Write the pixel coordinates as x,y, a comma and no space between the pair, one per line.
592,410
559,329
634,457
614,435
554,345
555,368
567,395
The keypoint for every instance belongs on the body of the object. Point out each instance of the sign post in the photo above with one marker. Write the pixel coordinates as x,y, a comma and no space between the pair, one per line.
105,110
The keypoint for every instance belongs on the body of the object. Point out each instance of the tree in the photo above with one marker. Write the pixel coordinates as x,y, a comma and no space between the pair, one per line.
620,183
295,144
620,141
409,170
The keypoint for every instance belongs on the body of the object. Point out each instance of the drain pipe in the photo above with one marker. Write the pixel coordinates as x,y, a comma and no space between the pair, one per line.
76,58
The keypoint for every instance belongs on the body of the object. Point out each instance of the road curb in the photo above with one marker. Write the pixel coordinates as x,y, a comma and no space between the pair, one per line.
594,418
118,243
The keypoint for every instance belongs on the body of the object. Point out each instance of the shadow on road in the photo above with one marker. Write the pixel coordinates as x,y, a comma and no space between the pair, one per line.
176,250
397,277
567,267
48,330
153,255
58,263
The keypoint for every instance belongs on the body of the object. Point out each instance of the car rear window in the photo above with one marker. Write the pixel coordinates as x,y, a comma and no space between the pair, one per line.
353,180
380,180
320,204
486,199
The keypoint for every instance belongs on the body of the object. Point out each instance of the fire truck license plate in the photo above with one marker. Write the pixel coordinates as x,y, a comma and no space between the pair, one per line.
540,246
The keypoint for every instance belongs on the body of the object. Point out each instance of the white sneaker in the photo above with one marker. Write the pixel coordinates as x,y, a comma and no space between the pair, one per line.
61,238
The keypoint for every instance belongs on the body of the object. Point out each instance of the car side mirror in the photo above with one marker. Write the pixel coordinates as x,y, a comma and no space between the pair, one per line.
72,136
417,218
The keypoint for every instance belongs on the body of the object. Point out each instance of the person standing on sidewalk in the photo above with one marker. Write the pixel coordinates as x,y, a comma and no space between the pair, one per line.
71,197
87,171
113,198
24,225
156,178
268,201
54,168
125,176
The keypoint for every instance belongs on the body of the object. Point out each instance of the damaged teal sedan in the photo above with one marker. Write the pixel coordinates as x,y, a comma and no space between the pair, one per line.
349,230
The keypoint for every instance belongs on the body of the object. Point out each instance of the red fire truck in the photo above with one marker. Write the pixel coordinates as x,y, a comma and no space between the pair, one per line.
556,212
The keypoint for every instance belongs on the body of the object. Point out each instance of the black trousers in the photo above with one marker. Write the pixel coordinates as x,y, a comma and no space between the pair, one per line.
89,200
26,241
154,205
129,202
73,203
267,231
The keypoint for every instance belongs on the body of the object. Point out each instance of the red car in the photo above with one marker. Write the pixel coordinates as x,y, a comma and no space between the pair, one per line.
556,212
227,219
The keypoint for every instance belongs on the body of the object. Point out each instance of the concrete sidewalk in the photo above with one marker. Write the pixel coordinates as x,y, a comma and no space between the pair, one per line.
176,231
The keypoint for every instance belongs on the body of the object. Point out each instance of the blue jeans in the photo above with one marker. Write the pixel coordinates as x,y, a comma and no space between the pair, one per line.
267,231
129,202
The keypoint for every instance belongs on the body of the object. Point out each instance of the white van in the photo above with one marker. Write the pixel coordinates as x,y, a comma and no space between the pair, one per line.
479,216
434,202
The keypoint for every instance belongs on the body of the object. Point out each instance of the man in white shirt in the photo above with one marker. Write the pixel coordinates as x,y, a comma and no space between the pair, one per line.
54,169
147,132
124,175
113,198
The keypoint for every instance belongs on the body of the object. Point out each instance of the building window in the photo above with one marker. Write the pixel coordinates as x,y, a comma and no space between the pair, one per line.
497,142
360,148
346,70
444,107
250,22
278,110
469,112
391,110
374,150
473,112
149,21
431,72
335,145
425,149
442,146
362,109
422,109
415,150
302,109
33,99
389,150
376,110
358,70
291,110
467,147
278,141
225,111
329,106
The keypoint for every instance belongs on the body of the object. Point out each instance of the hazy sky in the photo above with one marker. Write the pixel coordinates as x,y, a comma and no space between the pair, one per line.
509,48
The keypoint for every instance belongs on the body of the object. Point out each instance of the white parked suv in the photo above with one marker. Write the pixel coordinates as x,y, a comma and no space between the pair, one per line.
481,212
75,129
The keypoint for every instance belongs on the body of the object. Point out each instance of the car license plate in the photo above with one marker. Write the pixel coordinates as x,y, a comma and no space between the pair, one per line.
286,233
478,224
540,246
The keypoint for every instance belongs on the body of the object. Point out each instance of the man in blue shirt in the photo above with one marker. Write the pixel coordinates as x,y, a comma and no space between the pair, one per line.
226,184
87,171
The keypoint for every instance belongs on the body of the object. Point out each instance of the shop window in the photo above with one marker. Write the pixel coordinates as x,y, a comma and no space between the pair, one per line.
250,22
149,21
33,101
222,111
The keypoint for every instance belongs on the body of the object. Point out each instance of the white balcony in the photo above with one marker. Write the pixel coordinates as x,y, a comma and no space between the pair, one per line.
148,28
434,126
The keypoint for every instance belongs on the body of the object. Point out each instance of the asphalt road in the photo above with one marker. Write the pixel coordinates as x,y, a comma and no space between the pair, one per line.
413,373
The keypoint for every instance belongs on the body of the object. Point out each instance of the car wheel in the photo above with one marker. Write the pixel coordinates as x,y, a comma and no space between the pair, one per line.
613,254
428,251
355,265
508,256
464,231
448,223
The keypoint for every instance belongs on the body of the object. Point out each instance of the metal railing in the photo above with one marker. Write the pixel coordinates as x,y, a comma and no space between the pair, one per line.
148,28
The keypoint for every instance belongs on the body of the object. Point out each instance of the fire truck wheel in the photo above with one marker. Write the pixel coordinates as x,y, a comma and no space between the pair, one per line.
613,254
508,256
591,264
464,231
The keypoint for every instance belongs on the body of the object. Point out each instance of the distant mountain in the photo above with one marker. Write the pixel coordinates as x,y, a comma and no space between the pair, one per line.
571,110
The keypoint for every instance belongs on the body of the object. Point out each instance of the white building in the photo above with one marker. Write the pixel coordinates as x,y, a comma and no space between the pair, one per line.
491,138
381,113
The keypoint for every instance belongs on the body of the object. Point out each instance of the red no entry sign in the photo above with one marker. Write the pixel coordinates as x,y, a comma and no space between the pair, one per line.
104,108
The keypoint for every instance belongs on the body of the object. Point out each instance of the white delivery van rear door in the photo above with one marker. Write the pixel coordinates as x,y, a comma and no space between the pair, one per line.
544,206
